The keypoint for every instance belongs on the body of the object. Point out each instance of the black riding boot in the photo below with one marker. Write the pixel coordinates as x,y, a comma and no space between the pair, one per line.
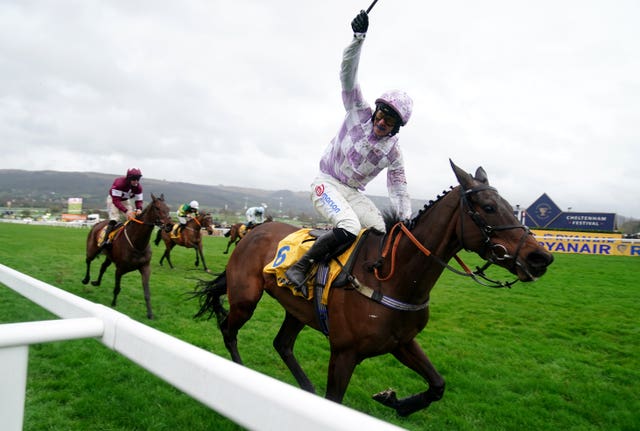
324,246
107,231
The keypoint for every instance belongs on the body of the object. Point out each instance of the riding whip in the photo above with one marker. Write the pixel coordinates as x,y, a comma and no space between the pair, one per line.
371,6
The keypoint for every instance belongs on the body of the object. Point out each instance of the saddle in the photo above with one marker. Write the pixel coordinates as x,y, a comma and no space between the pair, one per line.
292,247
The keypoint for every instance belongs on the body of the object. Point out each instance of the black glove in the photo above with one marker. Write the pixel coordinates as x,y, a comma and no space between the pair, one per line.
360,23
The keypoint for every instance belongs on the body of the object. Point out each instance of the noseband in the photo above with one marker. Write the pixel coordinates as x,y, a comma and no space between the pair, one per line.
490,251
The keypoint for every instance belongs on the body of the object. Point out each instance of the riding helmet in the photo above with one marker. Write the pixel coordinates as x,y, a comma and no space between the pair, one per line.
134,174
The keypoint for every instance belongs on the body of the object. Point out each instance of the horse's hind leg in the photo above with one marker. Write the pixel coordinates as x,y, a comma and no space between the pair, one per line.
239,313
414,358
167,255
284,342
341,367
103,268
228,245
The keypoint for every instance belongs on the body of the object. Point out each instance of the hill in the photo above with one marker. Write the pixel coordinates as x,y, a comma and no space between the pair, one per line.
52,189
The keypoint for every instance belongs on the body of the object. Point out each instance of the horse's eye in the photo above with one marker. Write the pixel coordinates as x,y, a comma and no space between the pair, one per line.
489,209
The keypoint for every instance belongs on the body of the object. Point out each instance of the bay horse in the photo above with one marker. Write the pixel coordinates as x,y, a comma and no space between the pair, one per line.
189,237
471,216
235,234
238,231
129,249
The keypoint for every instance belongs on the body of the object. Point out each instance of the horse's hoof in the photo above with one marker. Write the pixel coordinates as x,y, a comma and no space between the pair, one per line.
95,283
387,398
85,281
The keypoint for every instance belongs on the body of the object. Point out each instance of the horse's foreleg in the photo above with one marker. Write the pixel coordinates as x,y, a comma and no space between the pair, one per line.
103,268
145,271
87,275
284,342
414,358
228,245
199,252
116,287
197,256
341,366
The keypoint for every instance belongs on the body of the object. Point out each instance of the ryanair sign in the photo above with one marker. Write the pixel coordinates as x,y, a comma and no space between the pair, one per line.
586,243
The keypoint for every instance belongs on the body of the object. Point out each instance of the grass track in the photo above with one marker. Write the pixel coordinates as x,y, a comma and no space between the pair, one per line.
561,353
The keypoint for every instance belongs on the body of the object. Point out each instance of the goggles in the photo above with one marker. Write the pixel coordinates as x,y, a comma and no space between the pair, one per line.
387,114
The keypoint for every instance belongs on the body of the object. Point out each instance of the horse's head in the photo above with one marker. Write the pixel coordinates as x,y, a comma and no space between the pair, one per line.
207,222
488,227
157,212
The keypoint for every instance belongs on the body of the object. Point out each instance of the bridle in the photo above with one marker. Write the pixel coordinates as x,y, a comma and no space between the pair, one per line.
491,252
157,223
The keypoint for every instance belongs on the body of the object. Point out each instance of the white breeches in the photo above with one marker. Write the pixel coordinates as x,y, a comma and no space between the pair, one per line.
344,206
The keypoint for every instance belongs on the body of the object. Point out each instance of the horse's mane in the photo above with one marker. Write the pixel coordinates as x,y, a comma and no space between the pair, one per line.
391,216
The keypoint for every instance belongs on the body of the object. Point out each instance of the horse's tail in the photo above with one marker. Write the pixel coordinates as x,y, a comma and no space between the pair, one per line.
158,237
209,293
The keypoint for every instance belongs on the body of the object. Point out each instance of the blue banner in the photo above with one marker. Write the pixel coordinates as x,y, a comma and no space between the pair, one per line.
585,221
542,212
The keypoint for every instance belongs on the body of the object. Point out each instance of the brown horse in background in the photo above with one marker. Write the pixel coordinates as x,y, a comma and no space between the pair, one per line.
189,237
385,302
235,234
238,231
129,248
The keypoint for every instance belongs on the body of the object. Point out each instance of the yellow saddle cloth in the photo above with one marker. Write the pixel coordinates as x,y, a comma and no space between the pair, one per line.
290,250
242,230
113,233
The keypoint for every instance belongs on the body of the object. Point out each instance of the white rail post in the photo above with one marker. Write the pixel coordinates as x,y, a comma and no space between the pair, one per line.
13,386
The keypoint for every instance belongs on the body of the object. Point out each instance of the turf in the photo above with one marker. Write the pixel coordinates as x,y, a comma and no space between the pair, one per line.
560,353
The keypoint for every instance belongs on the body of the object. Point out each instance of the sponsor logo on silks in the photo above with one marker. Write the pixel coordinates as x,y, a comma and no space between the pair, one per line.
326,199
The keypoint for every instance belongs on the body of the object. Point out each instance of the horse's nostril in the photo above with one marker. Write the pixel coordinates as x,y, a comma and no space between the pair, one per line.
539,260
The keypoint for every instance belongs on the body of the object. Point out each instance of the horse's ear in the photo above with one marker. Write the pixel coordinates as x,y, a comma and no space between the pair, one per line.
481,176
153,198
463,177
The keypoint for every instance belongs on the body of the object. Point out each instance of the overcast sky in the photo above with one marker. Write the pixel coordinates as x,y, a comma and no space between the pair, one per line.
545,95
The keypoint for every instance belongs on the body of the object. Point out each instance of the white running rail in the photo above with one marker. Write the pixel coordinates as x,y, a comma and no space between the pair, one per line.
210,379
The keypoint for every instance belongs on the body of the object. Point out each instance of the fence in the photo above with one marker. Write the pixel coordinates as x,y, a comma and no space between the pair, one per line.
214,381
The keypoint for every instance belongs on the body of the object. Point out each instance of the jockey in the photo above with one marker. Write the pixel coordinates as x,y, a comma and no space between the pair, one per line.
187,211
366,143
118,202
255,215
